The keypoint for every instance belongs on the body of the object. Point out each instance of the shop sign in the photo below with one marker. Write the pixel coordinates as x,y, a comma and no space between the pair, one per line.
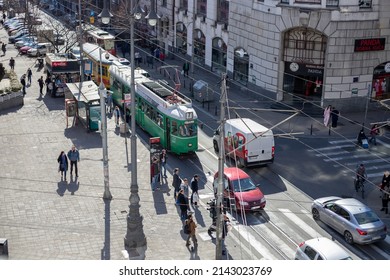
368,45
305,69
355,91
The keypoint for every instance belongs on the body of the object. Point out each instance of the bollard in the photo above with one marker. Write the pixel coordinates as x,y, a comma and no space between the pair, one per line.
164,74
329,131
216,110
201,125
311,129
184,83
203,103
208,106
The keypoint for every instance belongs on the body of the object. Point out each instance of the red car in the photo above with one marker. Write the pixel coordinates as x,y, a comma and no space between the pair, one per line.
24,49
241,190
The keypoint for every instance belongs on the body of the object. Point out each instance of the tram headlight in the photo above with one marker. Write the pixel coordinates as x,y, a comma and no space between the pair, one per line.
189,145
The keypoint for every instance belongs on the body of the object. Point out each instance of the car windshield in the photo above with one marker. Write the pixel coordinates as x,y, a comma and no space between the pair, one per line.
243,185
366,218
76,51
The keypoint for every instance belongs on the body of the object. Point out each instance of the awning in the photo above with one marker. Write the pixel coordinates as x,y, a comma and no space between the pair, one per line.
89,91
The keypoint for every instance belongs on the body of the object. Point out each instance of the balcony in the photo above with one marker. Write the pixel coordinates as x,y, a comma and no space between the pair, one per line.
329,3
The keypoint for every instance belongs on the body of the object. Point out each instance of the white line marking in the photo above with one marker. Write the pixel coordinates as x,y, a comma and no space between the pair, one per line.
296,220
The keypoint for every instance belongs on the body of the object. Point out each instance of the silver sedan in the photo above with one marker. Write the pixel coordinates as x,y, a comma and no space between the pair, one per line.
357,222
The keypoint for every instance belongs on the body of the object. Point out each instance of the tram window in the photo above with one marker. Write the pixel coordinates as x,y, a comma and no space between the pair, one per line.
160,120
174,128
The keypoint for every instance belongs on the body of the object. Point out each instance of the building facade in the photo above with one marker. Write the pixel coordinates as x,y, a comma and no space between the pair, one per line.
326,51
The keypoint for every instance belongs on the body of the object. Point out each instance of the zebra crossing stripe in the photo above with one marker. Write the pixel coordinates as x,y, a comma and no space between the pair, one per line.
354,157
332,154
350,140
332,148
300,223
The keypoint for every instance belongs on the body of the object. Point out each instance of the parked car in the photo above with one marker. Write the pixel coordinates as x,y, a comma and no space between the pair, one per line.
13,38
320,249
26,47
40,49
24,41
350,217
240,191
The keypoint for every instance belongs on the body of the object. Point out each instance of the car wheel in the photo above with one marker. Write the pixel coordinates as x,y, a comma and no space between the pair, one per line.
348,237
316,214
216,149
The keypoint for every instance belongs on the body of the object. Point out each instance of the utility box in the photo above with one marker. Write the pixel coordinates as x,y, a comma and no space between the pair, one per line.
3,249
202,92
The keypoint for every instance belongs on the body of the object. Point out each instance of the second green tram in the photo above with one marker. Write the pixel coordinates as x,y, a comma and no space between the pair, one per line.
160,110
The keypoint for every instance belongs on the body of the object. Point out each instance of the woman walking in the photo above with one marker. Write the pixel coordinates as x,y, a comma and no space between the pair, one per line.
63,164
327,112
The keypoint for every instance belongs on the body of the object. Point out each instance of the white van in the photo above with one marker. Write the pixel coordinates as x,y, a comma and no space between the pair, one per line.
247,142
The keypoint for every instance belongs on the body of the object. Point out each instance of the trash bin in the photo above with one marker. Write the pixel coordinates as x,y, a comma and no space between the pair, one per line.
3,249
202,92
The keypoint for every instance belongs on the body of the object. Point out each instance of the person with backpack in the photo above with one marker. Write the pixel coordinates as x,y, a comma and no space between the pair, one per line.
190,229
194,189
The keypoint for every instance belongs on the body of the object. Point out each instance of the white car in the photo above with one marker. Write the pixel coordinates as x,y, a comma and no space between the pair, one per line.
321,249
75,52
41,49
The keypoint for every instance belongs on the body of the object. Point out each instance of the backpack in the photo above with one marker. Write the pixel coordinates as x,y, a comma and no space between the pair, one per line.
186,228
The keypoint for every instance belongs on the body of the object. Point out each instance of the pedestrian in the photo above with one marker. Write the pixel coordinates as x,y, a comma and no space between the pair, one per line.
225,230
361,136
194,190
3,48
117,115
327,112
186,68
163,162
335,116
192,228
23,82
155,169
185,187
74,157
50,87
12,63
29,75
182,201
109,102
4,16
385,189
63,164
47,82
41,84
176,182
373,133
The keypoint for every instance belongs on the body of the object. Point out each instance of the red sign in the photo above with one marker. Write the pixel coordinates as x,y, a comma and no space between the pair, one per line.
367,45
59,64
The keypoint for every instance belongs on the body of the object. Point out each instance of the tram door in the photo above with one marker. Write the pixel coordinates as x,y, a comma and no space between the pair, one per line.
168,133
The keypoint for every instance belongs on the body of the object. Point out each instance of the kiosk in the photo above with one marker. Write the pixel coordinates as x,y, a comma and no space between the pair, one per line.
87,102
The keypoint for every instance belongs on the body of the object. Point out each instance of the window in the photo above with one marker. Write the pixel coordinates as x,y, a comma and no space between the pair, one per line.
344,214
163,3
201,7
184,4
310,253
365,3
223,11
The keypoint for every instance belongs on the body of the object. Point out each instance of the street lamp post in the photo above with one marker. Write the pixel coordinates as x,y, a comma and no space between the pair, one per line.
105,17
135,240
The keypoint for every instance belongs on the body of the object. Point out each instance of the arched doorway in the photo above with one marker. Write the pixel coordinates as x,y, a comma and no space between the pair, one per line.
304,59
199,46
181,38
219,56
241,65
381,81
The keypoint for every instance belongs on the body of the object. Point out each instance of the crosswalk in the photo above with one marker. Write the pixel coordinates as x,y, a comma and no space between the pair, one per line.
346,154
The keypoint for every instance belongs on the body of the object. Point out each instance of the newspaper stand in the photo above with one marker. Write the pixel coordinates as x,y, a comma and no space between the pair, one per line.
87,102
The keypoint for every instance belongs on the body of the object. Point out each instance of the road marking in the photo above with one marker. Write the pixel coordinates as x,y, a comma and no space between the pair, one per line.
332,154
353,140
381,252
331,148
299,222
353,157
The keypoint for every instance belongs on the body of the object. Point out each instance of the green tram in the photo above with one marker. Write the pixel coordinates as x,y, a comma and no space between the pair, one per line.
160,110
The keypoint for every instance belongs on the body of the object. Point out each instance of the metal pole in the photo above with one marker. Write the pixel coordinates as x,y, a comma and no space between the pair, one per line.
81,49
135,240
221,164
102,89
368,97
193,37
